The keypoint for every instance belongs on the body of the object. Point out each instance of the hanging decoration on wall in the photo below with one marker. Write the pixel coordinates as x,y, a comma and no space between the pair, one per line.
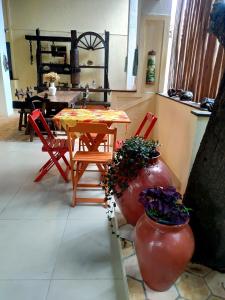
135,62
5,63
150,73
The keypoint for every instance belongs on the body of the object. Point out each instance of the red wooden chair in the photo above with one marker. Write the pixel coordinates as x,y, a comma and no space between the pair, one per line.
143,130
55,147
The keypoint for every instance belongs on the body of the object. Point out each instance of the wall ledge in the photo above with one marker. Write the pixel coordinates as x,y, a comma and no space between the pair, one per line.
201,113
176,99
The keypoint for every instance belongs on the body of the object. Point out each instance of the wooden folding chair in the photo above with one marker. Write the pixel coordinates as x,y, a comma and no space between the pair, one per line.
91,135
105,140
55,147
143,130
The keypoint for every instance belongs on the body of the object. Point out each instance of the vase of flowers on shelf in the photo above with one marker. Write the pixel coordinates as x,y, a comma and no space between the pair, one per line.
51,77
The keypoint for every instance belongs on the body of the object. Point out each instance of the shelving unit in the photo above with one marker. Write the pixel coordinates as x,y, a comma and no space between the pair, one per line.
88,41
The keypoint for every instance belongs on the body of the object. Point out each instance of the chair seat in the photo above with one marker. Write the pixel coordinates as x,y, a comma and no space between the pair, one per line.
56,145
99,157
105,139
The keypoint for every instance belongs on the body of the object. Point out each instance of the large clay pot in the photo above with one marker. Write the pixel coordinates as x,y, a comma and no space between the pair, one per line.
163,251
156,174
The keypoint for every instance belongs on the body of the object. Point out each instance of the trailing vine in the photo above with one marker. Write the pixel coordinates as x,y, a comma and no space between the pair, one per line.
134,155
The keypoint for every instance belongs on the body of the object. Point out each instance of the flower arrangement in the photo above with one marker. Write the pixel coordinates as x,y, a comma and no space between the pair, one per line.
164,205
51,77
134,155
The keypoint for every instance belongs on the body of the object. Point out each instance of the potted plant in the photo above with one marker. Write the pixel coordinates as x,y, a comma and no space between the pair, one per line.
135,167
164,241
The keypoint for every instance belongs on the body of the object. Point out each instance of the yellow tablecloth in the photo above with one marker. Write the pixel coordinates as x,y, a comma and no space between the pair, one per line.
69,116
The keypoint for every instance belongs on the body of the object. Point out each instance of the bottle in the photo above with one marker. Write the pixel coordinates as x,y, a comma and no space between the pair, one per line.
93,84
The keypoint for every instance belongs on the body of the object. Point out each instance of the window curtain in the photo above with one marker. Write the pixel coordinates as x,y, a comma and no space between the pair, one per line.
197,59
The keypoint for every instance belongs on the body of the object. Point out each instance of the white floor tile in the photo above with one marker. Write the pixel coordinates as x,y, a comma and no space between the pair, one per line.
35,201
29,248
87,290
23,289
88,251
43,238
87,212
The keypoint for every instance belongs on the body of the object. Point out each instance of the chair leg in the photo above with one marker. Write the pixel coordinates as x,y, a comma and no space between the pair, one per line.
31,134
75,183
25,119
20,121
65,160
44,169
79,147
56,161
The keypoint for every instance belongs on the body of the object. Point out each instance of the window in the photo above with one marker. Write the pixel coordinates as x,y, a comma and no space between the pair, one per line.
197,60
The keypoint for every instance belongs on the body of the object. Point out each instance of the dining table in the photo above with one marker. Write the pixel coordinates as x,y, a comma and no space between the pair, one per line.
70,97
70,117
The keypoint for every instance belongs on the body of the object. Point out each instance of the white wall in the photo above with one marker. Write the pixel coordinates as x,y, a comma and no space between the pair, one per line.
58,18
135,106
180,133
132,42
154,32
156,7
5,89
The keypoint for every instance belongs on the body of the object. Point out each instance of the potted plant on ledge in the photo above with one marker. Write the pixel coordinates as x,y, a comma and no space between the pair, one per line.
135,167
164,241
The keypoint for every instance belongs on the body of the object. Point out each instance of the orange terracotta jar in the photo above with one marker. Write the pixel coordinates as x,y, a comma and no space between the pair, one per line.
163,251
156,174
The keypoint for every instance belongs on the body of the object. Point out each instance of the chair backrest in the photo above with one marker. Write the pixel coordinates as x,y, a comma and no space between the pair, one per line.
35,119
90,104
87,128
20,104
147,124
37,102
52,108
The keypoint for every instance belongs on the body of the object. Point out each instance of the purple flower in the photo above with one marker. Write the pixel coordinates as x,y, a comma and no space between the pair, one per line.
162,205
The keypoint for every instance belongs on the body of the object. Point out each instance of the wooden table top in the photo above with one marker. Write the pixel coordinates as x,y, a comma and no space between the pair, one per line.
62,96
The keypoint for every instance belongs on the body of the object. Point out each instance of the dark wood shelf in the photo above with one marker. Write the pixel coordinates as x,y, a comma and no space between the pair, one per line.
92,67
88,40
83,89
58,68
46,51
47,38
55,65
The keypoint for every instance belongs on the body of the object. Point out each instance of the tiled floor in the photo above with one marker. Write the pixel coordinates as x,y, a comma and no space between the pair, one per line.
196,283
49,250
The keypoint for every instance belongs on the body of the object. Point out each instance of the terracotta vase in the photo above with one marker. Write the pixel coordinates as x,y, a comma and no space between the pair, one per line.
163,251
156,174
